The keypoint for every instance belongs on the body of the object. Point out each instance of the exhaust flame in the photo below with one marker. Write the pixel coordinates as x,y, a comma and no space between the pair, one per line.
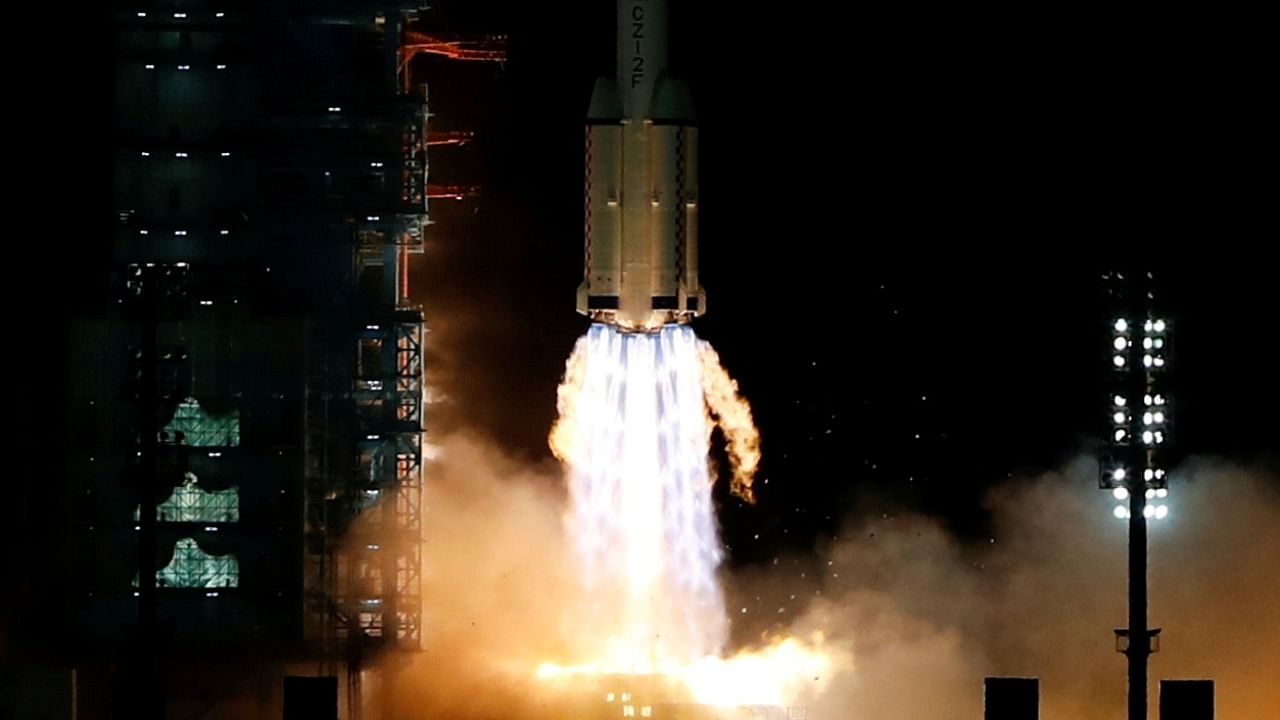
641,521
635,414
775,675
729,410
566,425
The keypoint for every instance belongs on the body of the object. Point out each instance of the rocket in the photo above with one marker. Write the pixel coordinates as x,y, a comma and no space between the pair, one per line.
641,185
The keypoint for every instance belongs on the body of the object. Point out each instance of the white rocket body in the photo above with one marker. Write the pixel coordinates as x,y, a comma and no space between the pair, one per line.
641,185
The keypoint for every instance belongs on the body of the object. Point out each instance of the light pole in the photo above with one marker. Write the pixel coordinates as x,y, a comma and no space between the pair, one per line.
1132,465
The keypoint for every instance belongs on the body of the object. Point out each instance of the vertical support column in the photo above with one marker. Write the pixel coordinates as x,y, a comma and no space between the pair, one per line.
404,518
1136,444
154,293
1139,649
149,699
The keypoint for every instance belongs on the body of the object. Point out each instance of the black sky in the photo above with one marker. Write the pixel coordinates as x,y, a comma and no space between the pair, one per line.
903,211
904,216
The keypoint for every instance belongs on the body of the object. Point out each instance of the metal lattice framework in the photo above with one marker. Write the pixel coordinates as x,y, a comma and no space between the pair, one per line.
415,41
364,393
366,567
407,514
382,595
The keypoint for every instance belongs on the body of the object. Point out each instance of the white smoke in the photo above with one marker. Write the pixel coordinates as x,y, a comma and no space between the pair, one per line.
927,616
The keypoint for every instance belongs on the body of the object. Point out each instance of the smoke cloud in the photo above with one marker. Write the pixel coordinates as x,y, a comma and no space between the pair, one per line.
923,615
927,617
497,587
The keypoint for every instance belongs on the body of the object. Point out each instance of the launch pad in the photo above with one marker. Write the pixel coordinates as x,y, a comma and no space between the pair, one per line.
657,697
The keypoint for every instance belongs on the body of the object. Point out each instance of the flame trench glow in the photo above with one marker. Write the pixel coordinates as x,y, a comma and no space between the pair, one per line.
637,413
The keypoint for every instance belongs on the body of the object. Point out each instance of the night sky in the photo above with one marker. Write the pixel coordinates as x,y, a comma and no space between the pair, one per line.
904,218
905,212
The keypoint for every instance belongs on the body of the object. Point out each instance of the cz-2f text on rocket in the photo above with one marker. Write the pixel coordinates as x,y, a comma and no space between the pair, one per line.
641,185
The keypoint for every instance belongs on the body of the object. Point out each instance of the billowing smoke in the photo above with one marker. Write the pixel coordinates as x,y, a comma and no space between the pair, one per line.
927,617
497,588
924,616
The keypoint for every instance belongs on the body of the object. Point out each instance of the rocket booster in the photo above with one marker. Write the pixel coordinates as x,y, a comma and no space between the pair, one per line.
641,185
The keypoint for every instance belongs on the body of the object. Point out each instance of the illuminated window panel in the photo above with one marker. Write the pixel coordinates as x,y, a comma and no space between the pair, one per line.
201,429
189,503
192,567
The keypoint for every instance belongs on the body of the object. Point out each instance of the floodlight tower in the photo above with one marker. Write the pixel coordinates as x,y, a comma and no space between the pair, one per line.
1132,466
